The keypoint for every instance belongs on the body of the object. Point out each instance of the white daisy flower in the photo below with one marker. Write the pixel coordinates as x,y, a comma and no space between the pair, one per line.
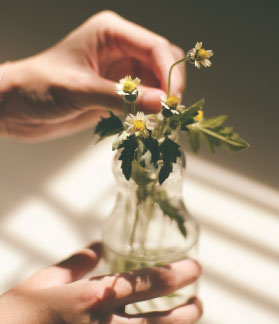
199,56
171,105
139,124
128,88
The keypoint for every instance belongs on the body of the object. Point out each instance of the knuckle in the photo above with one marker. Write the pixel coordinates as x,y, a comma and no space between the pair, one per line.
180,52
163,42
166,280
105,14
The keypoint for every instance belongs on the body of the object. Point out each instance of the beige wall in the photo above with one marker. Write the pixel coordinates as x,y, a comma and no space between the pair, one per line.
53,195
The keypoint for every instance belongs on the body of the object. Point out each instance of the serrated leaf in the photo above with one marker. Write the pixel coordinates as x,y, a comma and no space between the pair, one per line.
194,140
171,211
191,112
119,140
214,121
152,145
231,141
170,151
165,171
127,155
109,126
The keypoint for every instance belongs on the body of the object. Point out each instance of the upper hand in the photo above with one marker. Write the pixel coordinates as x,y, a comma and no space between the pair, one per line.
66,87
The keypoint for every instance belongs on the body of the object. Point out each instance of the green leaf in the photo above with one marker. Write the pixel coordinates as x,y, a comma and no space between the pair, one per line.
127,155
152,145
191,112
214,121
109,126
171,211
165,171
231,141
194,140
170,151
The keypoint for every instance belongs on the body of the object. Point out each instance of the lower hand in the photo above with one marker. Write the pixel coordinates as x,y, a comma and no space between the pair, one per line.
57,295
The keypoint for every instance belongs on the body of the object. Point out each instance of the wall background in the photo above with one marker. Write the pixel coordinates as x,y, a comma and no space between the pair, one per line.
51,186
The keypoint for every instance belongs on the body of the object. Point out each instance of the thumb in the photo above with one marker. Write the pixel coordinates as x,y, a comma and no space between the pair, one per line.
69,270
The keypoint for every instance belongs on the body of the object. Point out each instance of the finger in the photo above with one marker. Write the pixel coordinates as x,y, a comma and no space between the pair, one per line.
149,100
144,45
80,263
68,270
42,131
105,95
187,314
125,288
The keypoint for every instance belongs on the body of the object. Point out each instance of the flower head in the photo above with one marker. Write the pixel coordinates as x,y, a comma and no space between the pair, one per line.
171,105
199,55
128,88
199,116
139,124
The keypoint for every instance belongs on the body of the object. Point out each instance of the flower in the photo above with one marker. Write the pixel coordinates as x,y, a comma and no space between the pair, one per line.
139,124
199,55
171,105
199,116
128,88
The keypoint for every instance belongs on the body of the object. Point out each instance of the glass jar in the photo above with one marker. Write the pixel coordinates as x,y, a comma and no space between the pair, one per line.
150,226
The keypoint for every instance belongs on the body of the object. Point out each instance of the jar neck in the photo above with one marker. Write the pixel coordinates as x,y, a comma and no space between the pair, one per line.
143,182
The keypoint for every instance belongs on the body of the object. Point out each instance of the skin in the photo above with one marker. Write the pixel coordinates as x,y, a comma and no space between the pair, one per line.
66,88
57,295
63,90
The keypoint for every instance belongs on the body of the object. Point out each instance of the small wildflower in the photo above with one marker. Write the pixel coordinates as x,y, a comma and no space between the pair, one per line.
199,116
128,88
199,55
139,124
171,105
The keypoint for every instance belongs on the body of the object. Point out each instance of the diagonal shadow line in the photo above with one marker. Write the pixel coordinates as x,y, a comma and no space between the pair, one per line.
26,248
68,148
231,192
238,289
238,239
84,222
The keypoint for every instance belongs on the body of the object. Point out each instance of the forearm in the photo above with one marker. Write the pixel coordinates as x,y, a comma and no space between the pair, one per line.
17,308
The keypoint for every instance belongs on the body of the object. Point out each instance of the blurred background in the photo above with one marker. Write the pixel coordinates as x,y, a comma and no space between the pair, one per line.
55,194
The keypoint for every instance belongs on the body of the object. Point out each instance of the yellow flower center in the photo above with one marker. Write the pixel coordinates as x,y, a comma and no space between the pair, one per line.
129,86
173,102
199,116
202,54
138,125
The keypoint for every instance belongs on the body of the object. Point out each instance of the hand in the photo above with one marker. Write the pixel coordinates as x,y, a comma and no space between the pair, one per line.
57,295
66,88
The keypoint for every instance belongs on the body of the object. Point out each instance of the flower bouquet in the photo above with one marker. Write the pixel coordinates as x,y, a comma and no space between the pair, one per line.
149,224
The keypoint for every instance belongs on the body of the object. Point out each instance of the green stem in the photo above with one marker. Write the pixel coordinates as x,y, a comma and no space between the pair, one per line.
184,59
134,227
133,107
125,108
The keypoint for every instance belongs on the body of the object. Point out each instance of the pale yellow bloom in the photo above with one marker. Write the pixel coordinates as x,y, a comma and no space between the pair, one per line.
128,88
171,104
139,124
200,56
199,116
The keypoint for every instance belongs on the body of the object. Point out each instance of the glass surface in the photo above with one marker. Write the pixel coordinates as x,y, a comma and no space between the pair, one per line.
141,230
